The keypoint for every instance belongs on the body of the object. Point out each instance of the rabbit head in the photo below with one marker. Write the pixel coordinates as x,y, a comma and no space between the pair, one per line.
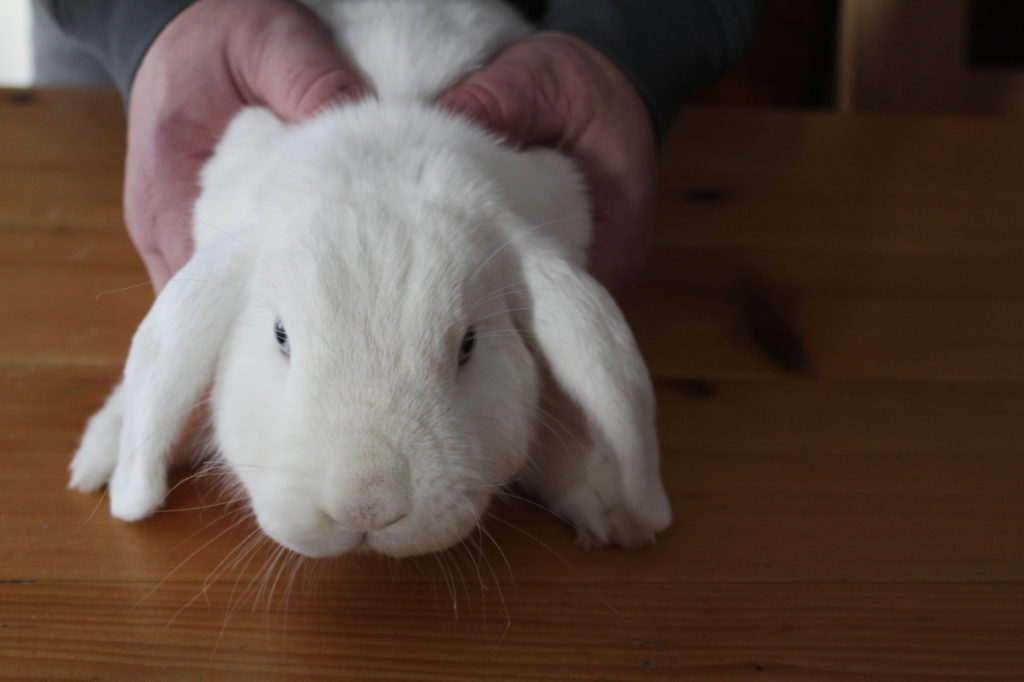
377,296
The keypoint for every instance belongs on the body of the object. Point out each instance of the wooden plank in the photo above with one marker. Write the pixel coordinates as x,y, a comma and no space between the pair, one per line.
572,632
772,481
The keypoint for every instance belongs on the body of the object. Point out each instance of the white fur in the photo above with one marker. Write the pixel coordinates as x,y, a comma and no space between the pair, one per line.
378,233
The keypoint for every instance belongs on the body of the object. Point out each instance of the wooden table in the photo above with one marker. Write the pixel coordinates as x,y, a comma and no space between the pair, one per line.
860,518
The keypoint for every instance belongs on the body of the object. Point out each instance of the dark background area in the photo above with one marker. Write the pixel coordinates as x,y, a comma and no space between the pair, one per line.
794,59
790,63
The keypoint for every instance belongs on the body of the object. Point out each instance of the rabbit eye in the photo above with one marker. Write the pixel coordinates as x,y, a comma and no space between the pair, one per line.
282,337
466,347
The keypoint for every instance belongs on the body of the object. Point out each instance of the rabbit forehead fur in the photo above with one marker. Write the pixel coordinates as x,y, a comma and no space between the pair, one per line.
376,268
383,239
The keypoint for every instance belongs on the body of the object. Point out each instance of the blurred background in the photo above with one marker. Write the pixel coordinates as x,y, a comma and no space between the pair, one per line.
15,43
911,56
950,56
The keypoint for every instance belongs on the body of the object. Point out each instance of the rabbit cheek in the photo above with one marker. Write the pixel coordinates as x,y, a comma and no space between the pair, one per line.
500,398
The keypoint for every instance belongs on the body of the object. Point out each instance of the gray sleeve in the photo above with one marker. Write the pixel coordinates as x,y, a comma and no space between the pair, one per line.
668,49
117,32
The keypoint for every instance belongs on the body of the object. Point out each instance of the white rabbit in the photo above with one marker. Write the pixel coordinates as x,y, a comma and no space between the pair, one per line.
393,313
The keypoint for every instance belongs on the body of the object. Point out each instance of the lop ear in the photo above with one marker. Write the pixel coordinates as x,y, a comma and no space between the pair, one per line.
597,460
174,352
171,363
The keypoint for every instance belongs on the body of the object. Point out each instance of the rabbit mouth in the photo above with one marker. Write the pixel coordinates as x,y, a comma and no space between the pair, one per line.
393,541
328,546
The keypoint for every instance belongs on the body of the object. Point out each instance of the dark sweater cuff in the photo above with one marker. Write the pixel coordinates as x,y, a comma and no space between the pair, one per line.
118,32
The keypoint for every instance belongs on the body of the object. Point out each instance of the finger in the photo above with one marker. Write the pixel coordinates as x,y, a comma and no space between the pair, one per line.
619,249
620,176
516,96
160,189
164,243
175,239
290,63
502,102
157,269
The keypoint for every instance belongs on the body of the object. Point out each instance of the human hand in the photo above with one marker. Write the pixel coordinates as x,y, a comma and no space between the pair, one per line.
554,89
212,59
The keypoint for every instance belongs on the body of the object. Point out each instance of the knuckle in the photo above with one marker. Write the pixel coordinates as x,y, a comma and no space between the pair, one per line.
315,85
484,100
292,63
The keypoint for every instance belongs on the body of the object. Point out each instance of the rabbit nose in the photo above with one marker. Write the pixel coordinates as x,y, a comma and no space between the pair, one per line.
367,503
366,516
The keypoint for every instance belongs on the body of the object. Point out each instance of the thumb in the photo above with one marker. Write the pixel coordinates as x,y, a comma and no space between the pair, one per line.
295,67
508,101
477,102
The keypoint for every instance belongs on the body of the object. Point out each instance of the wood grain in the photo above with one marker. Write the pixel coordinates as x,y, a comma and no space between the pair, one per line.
861,519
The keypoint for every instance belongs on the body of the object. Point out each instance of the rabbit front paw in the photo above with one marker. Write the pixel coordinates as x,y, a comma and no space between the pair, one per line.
587,493
96,457
135,489
596,509
134,495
